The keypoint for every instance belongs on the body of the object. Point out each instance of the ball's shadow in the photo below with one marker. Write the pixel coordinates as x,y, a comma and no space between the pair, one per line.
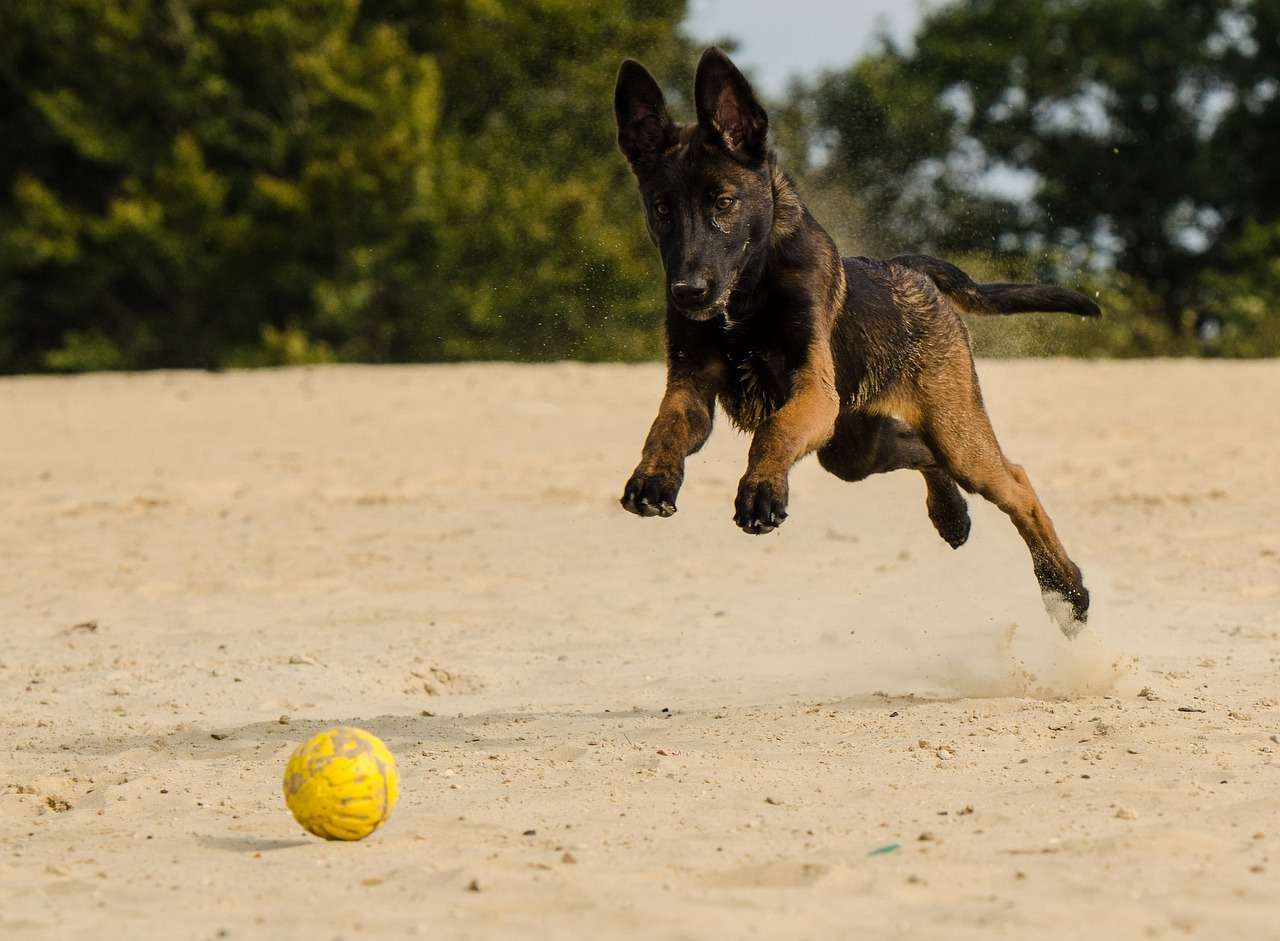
246,844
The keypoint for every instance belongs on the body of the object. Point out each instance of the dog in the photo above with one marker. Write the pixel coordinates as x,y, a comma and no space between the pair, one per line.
866,362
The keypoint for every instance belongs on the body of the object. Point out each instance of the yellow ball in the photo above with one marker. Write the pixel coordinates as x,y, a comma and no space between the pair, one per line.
342,784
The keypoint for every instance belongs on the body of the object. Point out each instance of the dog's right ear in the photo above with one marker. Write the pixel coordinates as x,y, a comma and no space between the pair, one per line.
728,108
645,129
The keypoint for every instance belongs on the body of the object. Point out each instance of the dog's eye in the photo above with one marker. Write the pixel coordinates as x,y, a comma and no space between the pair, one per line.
725,202
662,209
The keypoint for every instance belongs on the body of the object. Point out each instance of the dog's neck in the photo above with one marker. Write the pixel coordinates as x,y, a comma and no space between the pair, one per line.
788,210
797,241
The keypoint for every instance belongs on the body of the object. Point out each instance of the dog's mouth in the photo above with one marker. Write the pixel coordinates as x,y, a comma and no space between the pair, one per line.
700,314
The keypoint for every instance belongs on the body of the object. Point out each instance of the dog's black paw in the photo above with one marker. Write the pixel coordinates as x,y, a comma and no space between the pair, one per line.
651,494
950,513
761,506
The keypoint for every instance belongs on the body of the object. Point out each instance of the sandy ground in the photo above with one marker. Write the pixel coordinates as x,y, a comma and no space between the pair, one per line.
620,727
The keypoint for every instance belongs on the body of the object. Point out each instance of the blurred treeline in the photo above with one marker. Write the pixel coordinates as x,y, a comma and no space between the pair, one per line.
237,182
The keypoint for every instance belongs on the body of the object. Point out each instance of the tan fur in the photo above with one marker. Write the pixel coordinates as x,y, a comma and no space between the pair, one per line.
677,430
788,211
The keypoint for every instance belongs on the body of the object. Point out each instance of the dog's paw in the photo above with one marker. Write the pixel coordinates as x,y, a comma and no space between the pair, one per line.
761,506
651,494
1066,600
1070,614
949,513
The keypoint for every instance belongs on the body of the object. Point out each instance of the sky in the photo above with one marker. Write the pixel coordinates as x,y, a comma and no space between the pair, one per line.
779,38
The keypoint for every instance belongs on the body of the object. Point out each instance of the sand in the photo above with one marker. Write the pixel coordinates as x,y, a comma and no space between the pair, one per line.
624,728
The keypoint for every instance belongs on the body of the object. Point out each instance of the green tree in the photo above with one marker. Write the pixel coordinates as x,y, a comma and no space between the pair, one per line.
541,240
193,180
227,182
1142,126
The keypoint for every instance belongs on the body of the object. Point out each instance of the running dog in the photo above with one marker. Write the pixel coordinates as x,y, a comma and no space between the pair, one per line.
866,362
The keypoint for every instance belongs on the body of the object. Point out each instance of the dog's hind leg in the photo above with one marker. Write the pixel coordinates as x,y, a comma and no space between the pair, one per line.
956,427
863,445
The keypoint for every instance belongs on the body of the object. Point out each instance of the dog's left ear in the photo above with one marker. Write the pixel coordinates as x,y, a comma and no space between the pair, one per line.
727,107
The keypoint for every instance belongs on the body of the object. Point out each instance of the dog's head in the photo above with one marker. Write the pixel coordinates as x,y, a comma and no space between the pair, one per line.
707,187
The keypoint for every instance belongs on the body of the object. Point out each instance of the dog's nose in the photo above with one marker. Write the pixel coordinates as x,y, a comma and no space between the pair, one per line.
692,292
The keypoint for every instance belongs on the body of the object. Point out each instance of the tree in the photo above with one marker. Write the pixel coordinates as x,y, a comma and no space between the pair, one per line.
1141,126
225,182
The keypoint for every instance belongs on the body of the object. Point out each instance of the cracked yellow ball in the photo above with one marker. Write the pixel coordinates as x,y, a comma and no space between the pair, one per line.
341,784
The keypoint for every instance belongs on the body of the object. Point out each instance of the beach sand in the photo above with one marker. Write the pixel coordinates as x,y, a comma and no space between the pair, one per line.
612,727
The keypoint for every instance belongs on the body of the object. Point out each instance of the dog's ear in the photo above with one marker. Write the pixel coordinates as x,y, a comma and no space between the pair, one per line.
727,107
645,129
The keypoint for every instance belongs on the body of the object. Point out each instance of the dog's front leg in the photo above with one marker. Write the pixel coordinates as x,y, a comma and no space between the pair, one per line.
803,424
682,426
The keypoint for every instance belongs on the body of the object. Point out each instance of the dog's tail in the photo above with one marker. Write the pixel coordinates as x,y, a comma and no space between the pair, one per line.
978,298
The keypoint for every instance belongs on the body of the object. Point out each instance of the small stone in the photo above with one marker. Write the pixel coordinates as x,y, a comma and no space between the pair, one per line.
284,720
1126,813
927,837
529,833
219,736
568,858
1148,694
473,885
777,802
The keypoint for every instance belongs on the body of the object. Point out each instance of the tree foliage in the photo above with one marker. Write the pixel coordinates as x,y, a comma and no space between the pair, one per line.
224,182
1140,129
230,182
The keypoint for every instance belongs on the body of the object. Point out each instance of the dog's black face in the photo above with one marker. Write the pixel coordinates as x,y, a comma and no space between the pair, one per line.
706,188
